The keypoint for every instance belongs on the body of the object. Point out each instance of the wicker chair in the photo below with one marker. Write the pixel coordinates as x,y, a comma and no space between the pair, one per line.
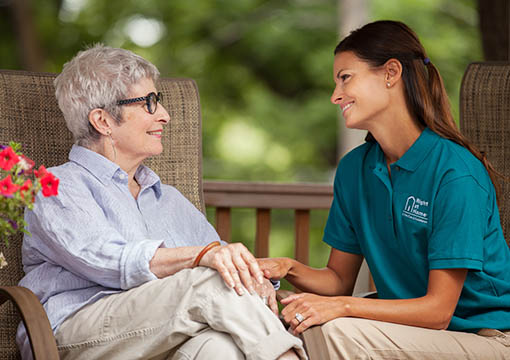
485,120
29,114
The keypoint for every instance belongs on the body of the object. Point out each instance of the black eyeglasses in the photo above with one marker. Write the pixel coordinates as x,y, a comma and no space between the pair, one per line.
151,101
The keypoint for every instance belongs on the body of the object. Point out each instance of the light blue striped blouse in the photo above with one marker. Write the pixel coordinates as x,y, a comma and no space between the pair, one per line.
96,239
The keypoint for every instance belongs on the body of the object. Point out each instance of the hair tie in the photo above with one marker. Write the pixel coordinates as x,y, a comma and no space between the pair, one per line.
426,61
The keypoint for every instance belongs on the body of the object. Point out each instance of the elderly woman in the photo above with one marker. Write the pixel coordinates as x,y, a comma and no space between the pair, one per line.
125,266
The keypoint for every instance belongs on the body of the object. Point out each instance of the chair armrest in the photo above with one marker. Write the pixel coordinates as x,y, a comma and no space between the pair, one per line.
42,341
367,295
313,338
281,294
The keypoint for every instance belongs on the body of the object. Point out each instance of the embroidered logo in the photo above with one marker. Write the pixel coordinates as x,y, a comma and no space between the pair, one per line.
416,209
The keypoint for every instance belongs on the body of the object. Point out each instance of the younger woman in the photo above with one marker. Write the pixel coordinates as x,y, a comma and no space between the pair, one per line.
418,202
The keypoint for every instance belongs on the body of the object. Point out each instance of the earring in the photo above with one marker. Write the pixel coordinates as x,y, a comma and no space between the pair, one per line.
109,133
388,84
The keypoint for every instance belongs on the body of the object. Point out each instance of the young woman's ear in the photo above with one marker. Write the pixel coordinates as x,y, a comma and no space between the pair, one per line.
98,118
392,72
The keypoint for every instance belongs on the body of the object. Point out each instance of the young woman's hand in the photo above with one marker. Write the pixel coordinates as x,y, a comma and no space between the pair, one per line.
275,268
314,309
236,265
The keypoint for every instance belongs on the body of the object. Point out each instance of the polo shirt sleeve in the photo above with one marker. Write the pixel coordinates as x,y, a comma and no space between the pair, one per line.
339,232
459,222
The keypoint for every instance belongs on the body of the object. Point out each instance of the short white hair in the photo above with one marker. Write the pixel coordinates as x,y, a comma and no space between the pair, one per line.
98,77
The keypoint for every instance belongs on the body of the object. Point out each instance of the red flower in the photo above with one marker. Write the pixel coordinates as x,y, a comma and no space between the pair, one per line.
27,185
8,158
41,172
7,188
49,184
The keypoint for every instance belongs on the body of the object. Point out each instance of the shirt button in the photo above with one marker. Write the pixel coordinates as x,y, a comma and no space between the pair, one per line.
397,168
122,176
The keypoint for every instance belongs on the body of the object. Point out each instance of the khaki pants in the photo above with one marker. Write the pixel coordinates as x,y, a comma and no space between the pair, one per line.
359,339
189,315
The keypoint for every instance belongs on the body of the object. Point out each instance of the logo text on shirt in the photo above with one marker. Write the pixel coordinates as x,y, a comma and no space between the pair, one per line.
416,209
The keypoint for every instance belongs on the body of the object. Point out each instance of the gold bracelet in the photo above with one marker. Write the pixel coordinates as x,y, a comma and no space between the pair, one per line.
204,250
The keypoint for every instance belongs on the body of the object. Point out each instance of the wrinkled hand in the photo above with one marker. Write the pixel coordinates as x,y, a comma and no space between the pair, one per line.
275,268
266,291
315,310
236,265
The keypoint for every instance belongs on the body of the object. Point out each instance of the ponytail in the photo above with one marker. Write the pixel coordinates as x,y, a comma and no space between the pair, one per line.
444,125
425,94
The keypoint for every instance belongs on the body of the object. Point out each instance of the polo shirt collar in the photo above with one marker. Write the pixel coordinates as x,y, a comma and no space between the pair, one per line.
416,154
105,170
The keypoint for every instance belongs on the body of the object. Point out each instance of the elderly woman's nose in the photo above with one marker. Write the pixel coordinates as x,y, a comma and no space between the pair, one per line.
163,114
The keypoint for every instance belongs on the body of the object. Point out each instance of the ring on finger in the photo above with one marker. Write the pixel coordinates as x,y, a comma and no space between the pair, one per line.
300,318
265,300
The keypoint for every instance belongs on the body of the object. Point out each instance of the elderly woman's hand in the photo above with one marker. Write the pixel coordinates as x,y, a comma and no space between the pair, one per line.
268,294
236,265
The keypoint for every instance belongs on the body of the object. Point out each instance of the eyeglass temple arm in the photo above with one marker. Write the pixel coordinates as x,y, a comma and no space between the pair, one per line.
130,101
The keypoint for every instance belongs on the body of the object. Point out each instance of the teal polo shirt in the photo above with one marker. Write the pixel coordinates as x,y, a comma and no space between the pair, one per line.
437,211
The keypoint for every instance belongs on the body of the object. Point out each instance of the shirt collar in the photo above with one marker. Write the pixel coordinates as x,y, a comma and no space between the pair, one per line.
95,163
415,155
104,170
148,178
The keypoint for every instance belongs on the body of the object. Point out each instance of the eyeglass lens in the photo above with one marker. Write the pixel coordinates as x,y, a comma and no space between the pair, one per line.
152,101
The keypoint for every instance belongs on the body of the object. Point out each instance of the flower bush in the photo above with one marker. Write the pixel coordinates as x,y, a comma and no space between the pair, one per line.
19,185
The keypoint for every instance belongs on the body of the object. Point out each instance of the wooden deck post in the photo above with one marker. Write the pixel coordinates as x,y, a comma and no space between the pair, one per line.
262,233
302,226
223,223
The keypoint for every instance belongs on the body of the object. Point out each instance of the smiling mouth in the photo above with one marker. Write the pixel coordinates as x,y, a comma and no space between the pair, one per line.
155,132
347,106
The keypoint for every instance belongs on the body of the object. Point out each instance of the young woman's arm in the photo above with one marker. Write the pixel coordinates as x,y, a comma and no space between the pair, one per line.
434,310
337,278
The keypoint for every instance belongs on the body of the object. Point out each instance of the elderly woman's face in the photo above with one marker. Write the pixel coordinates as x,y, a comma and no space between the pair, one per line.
139,134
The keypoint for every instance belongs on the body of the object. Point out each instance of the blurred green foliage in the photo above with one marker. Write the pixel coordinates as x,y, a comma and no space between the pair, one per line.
264,73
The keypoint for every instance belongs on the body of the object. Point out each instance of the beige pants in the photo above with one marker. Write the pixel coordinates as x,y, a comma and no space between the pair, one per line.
360,339
190,315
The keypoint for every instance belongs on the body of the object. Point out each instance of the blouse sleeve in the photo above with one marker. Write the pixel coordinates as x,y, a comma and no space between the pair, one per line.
193,227
71,230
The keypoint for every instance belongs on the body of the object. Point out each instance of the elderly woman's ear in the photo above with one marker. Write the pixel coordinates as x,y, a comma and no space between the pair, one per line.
100,120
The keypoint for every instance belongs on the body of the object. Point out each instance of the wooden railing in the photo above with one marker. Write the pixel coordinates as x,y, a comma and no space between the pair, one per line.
263,197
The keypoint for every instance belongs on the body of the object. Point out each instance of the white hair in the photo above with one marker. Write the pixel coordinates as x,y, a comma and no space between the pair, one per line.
98,77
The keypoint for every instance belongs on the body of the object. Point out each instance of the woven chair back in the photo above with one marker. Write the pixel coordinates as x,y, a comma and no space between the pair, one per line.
29,114
485,120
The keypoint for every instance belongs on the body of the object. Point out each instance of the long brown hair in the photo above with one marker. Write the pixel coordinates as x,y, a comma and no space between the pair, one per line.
425,94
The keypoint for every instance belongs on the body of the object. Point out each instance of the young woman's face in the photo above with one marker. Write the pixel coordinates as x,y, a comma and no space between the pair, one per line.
360,91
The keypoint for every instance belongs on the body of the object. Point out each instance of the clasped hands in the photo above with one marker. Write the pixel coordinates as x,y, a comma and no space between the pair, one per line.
240,271
301,310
